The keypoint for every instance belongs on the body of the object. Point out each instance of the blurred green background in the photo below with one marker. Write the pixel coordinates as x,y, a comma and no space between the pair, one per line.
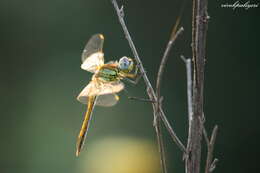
41,44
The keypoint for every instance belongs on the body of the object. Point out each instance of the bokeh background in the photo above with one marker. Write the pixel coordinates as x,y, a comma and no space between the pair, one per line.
41,44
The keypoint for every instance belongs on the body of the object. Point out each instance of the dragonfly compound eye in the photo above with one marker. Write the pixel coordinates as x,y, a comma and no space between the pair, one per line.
125,64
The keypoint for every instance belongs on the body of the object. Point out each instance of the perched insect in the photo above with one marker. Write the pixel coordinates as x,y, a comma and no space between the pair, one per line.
105,82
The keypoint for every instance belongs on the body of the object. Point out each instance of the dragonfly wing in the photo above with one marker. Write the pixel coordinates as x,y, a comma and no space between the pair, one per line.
93,55
86,92
112,62
102,89
111,87
107,100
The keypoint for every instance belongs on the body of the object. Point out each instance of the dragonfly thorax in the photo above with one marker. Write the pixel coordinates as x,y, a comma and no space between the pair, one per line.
108,73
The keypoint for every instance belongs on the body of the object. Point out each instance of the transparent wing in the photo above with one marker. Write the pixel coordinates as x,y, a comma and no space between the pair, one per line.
100,90
107,100
94,45
93,55
112,62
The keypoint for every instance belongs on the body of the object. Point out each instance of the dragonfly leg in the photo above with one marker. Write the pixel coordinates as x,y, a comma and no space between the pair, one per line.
134,82
137,98
141,99
133,78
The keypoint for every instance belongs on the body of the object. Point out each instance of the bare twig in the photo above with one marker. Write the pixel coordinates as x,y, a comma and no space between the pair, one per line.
188,65
141,99
199,30
205,134
149,88
214,135
210,166
158,129
189,84
158,88
213,165
171,131
160,142
165,58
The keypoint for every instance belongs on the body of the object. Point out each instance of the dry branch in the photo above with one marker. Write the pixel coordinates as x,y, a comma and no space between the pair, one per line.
199,30
158,89
158,111
211,165
149,88
195,84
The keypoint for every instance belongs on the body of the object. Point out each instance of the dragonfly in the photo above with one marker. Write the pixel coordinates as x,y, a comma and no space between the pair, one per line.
105,83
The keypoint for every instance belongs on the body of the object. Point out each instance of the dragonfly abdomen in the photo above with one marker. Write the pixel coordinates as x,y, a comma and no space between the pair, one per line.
108,74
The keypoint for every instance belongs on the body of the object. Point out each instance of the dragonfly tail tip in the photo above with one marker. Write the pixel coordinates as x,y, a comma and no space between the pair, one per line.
77,153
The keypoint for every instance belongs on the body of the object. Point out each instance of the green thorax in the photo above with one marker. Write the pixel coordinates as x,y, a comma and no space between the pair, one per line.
108,74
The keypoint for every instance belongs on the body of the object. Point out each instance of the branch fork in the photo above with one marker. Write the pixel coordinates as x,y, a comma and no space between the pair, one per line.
195,82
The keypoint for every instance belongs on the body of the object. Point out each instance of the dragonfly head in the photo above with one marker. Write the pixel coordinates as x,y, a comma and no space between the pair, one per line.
126,64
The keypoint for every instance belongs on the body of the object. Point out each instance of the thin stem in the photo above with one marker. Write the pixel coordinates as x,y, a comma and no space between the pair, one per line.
188,65
205,134
210,166
160,142
213,165
140,99
165,58
158,88
171,131
199,31
149,88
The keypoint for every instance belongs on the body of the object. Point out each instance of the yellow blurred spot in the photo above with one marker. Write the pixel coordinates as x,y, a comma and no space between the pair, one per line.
101,36
121,155
117,97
